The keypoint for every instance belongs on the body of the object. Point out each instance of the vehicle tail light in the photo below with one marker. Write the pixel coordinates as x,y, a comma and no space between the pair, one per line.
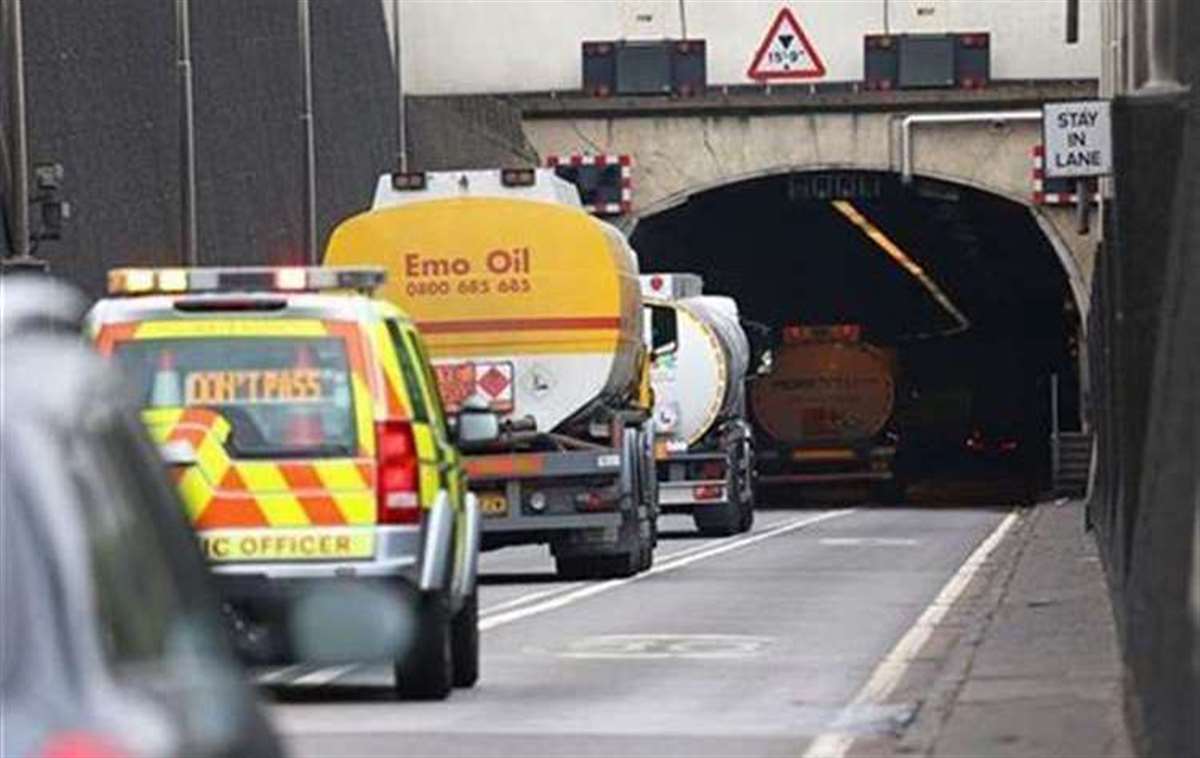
594,501
397,479
1008,446
708,492
81,745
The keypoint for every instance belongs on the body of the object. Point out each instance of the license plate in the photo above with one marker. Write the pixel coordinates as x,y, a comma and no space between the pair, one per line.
493,504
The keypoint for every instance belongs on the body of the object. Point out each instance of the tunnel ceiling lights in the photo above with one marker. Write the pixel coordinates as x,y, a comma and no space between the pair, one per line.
893,251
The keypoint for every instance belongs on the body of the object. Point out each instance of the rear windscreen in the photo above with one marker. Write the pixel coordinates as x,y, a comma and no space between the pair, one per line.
281,396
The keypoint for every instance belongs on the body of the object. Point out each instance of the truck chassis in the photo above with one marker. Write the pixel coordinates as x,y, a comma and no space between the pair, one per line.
594,505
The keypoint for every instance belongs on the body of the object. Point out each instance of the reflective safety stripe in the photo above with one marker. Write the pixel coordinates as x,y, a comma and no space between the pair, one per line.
396,397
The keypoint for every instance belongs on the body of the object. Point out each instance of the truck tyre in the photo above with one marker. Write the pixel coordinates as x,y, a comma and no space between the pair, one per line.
746,522
426,671
464,642
891,492
650,544
718,520
747,501
572,568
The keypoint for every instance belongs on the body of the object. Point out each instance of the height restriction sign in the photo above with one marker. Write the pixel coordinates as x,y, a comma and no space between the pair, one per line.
786,53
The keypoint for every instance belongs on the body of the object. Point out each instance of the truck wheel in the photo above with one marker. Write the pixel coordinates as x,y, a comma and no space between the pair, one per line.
597,566
648,546
464,642
892,492
748,503
426,672
718,521
573,568
746,521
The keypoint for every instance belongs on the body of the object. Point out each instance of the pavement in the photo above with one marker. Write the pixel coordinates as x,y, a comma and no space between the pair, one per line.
822,629
1027,663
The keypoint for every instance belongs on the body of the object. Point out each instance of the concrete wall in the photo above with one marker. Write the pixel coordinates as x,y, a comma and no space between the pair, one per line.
103,101
678,156
495,46
465,132
1145,502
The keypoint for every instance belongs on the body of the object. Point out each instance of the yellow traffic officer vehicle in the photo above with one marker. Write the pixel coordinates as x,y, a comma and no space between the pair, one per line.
302,423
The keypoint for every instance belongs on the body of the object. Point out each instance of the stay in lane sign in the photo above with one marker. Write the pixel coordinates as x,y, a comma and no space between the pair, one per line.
1077,138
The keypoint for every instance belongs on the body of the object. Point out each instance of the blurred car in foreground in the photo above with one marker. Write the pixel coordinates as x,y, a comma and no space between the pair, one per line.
112,645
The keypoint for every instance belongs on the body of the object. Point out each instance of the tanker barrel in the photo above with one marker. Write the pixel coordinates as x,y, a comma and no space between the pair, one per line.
702,383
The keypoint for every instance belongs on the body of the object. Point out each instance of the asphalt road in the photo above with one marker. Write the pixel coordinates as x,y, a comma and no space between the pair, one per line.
751,645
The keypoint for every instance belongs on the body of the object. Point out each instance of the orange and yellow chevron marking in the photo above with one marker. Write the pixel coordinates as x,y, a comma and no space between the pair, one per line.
220,492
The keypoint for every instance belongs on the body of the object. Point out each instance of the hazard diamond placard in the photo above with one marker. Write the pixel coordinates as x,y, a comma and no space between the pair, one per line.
786,53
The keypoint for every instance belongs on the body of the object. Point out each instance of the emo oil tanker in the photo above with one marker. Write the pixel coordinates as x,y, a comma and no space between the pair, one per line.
531,310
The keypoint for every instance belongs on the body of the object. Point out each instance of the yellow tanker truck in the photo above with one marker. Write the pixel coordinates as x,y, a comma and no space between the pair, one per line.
531,310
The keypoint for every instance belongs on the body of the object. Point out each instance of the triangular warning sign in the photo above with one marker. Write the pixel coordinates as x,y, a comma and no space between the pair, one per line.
786,53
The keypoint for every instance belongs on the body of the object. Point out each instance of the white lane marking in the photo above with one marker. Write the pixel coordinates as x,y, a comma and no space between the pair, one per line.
323,676
720,547
571,594
523,599
275,675
835,742
868,542
540,594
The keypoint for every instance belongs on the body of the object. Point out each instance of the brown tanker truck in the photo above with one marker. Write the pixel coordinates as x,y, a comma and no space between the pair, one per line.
823,411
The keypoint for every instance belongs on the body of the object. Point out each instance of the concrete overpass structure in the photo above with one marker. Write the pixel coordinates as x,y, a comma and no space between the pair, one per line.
528,55
980,140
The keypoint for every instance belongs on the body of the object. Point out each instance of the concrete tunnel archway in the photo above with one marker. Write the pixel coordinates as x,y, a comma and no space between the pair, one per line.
801,246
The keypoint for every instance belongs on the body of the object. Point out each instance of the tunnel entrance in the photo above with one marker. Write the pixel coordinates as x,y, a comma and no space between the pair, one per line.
961,286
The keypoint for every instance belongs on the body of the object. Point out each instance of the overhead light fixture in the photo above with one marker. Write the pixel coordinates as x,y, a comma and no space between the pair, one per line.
902,259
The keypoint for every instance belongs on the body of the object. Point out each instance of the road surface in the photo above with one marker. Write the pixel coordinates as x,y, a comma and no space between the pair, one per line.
749,645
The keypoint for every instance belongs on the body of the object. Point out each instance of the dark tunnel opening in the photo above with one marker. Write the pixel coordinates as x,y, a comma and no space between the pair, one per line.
961,284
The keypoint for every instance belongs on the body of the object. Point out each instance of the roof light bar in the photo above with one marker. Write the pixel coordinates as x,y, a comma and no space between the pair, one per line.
291,279
148,281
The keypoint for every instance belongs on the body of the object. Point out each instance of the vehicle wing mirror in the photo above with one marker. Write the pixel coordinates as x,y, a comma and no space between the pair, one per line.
477,423
664,330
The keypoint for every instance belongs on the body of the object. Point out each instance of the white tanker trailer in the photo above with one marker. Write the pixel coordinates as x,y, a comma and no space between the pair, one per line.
703,440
